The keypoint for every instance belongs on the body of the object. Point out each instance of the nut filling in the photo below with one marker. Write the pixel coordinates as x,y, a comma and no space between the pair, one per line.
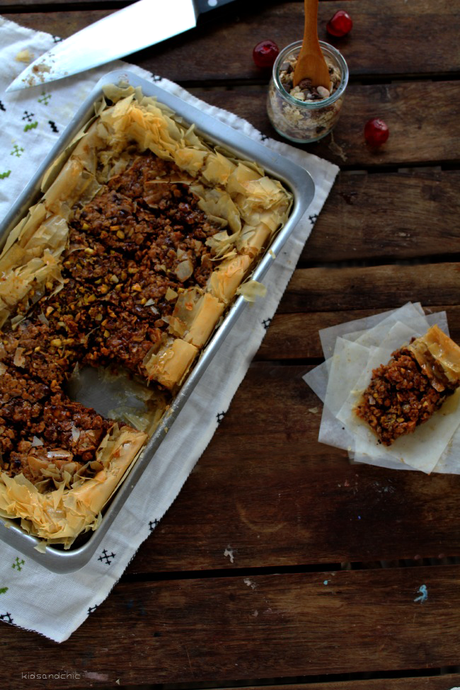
399,398
130,250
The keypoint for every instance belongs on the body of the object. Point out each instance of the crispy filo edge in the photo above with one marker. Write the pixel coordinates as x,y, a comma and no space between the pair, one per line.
438,357
31,257
59,516
193,321
196,314
170,364
227,277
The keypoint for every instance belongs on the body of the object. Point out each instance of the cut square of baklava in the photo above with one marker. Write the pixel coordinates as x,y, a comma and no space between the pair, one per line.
411,387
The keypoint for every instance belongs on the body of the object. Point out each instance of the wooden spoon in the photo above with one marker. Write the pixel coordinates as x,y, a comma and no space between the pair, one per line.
311,63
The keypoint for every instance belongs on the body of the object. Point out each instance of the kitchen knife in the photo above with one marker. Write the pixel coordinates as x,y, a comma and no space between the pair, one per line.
133,28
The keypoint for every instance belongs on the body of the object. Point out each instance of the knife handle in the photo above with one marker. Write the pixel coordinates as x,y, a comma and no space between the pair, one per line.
203,6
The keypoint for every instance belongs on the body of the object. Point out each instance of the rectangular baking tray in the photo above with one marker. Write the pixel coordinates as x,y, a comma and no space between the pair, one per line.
296,179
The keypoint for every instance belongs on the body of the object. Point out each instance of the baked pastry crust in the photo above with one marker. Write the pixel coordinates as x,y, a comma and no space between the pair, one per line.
438,356
60,515
152,299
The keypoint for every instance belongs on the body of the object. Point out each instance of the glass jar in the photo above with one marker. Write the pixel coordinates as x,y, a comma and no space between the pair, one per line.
304,121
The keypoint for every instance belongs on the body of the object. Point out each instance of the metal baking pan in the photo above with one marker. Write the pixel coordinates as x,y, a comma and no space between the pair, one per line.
295,178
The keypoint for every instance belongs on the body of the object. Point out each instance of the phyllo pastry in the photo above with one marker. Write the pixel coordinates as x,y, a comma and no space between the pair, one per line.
143,236
411,387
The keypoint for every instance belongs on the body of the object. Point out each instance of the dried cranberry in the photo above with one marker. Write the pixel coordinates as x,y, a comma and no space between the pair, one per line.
265,53
340,24
376,132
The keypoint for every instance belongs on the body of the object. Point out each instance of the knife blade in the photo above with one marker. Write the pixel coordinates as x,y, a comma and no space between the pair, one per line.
142,24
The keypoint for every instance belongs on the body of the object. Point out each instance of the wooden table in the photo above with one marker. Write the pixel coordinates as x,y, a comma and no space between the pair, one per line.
280,562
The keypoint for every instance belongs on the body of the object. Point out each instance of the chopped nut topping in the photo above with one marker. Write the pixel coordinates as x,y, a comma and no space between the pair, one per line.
399,398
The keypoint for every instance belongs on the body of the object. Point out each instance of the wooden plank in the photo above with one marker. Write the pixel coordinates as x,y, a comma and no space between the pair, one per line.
296,336
235,628
412,128
371,49
266,490
422,682
388,216
371,287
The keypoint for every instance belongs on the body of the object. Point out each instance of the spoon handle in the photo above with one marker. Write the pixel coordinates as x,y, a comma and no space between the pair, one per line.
310,35
310,62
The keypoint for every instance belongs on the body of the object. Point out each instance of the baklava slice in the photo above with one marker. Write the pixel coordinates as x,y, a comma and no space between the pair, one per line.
411,387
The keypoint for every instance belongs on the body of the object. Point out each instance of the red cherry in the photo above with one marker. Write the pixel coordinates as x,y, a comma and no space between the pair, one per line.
376,132
340,24
265,53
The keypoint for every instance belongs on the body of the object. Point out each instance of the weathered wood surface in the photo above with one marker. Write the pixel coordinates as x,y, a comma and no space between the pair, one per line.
266,495
266,626
388,216
371,287
267,490
295,336
385,40
444,682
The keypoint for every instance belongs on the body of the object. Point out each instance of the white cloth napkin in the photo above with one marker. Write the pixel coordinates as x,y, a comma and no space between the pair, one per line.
30,122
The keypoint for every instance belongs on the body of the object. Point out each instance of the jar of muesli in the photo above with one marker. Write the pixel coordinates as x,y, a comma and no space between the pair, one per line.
305,113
